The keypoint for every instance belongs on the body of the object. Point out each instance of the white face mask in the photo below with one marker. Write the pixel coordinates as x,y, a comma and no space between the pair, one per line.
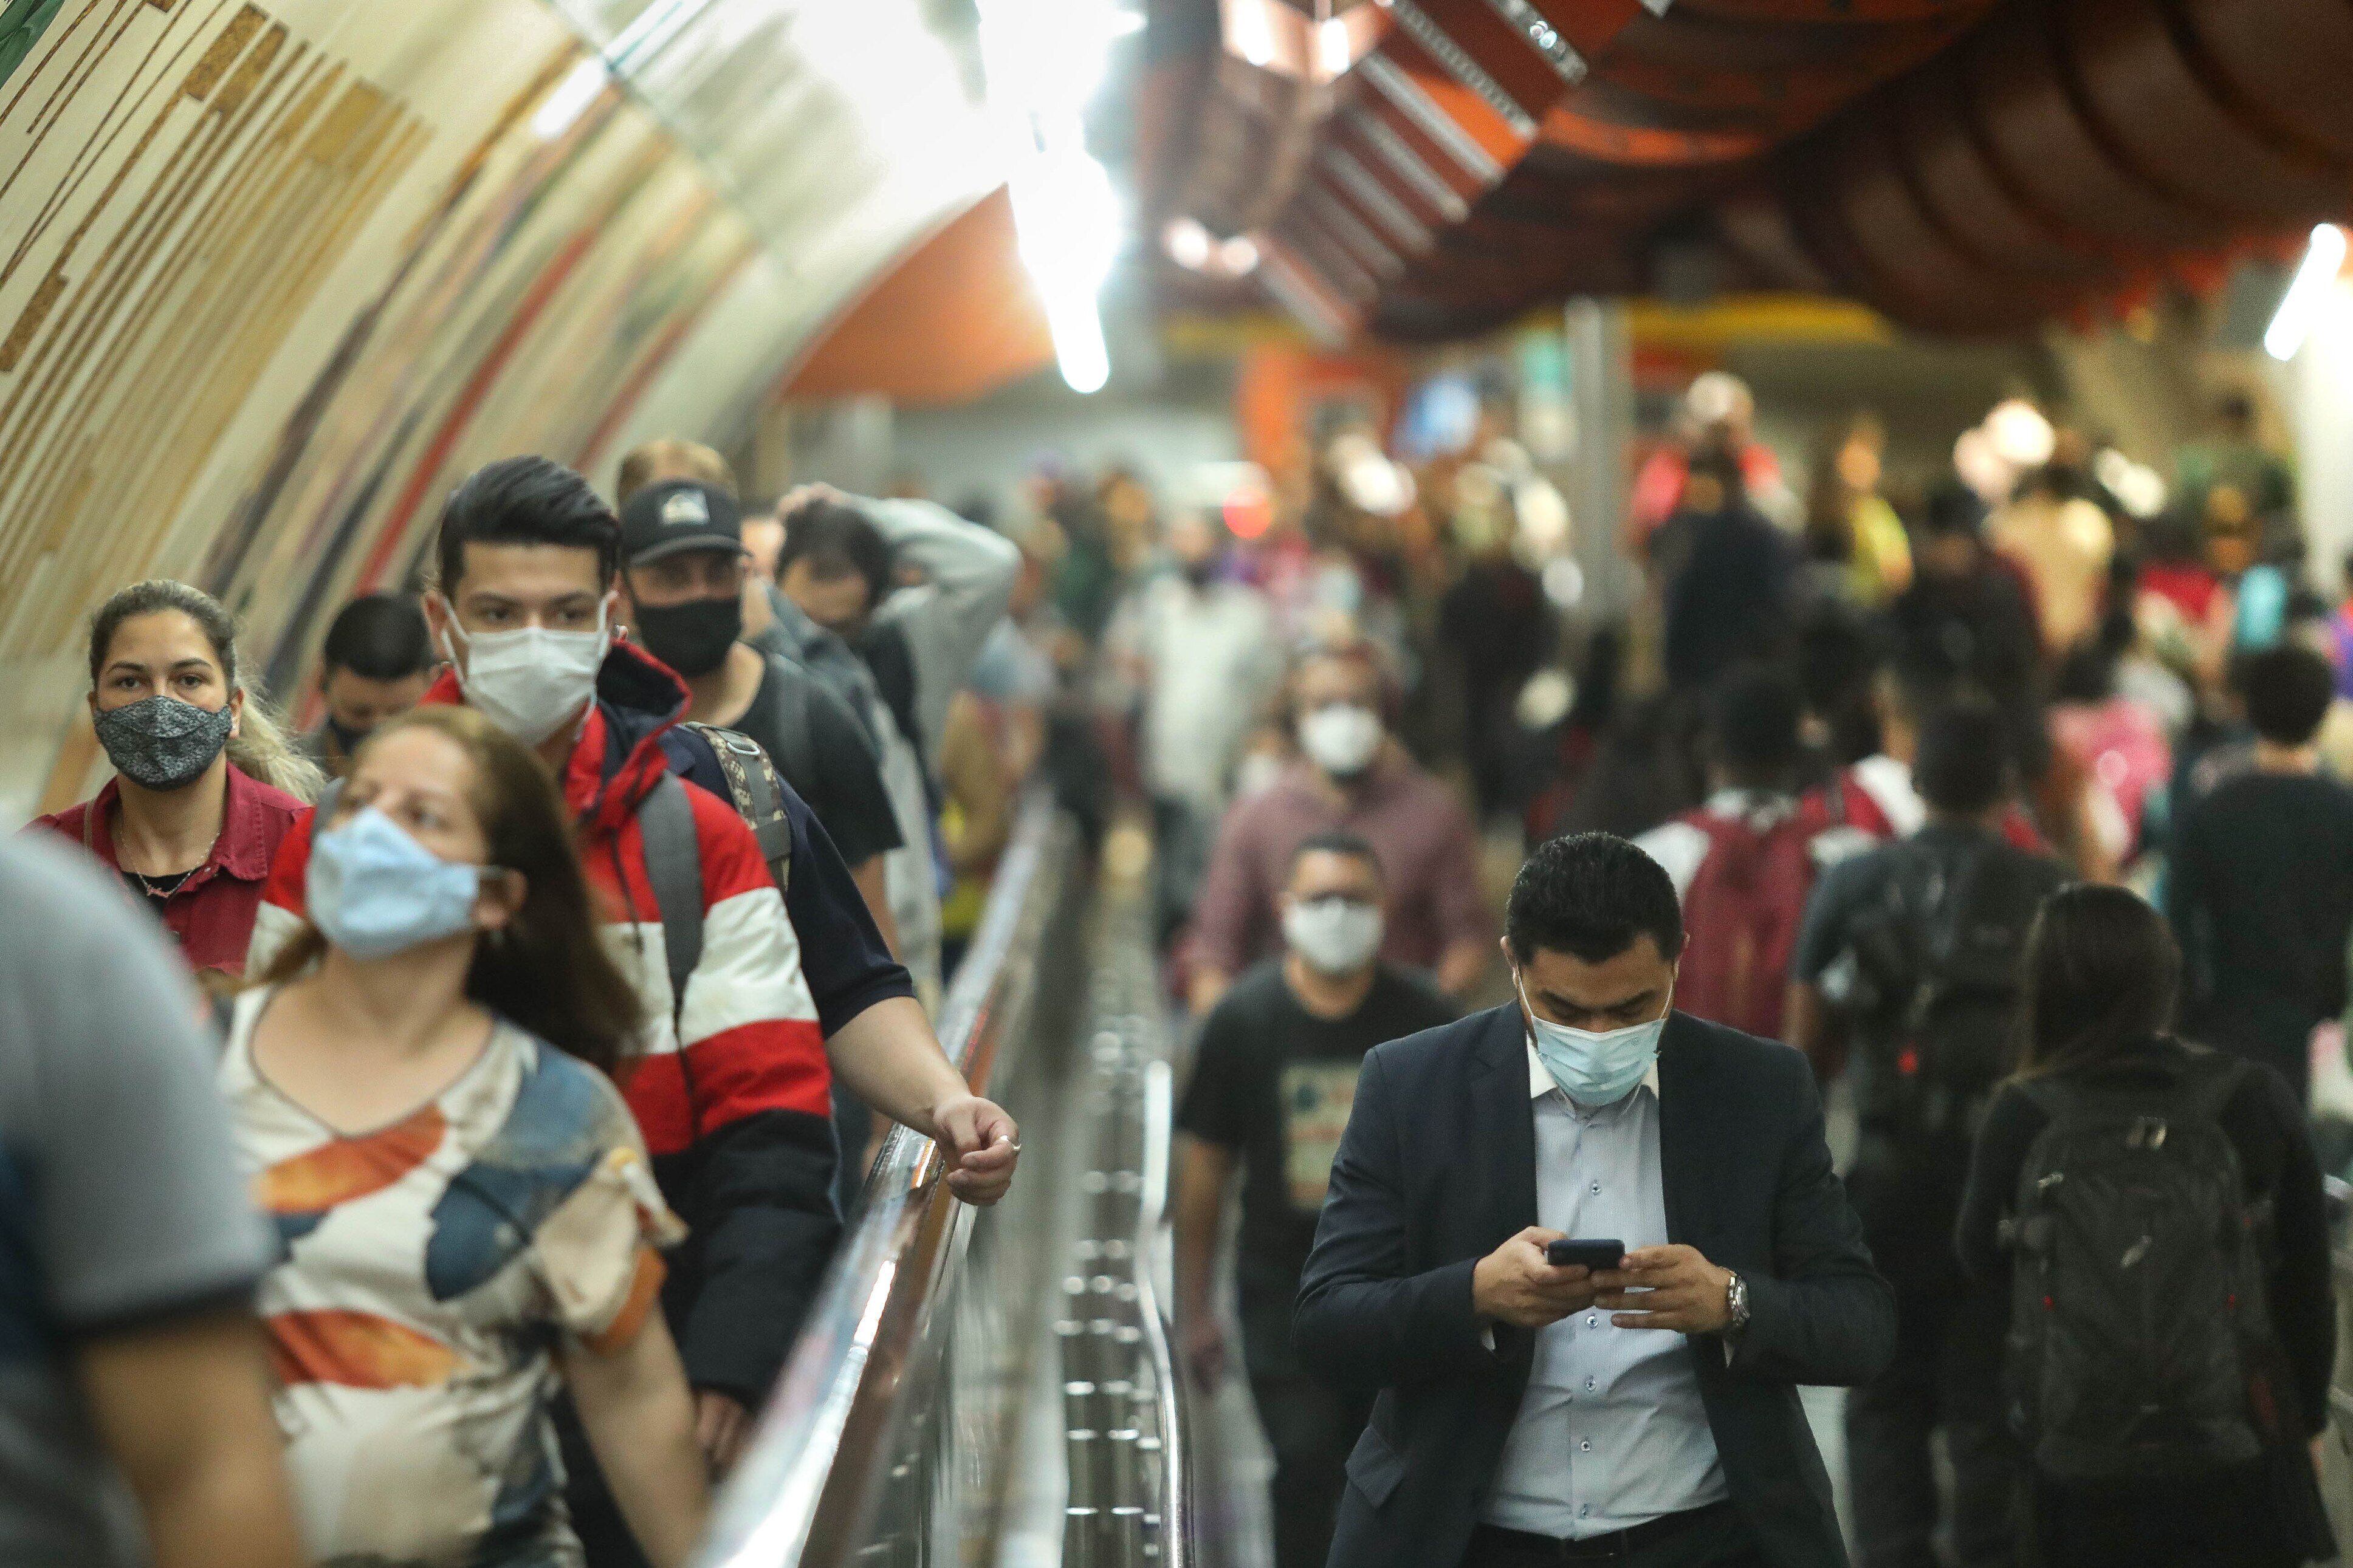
1341,737
532,682
1332,936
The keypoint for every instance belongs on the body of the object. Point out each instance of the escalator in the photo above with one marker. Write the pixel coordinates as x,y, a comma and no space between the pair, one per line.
995,1386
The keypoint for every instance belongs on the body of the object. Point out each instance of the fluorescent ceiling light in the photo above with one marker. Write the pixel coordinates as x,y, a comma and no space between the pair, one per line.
1196,250
2021,435
1253,36
1046,60
1334,48
1189,244
2323,257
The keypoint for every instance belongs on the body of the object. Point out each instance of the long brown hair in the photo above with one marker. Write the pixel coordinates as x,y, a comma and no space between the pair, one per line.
2100,975
547,970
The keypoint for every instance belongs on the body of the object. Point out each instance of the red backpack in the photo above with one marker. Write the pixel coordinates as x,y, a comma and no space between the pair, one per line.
1742,911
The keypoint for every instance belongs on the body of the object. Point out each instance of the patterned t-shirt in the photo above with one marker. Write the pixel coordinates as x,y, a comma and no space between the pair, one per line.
430,1270
1272,1084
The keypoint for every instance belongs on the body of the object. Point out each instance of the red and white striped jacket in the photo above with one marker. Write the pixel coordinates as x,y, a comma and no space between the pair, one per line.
736,1075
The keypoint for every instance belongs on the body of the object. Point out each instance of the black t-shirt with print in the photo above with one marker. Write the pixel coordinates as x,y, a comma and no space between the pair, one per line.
1273,1083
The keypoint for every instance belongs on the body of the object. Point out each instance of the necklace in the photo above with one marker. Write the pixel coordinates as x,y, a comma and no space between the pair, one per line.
165,886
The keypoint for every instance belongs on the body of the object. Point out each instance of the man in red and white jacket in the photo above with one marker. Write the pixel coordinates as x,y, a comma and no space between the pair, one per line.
733,1089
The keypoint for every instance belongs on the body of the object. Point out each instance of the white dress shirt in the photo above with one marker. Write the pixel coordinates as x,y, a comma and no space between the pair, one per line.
1611,1431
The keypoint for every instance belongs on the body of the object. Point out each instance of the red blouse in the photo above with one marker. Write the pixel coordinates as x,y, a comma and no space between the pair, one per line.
211,914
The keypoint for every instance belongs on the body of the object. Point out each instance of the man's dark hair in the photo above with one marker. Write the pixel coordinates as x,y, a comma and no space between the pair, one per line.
1590,895
379,637
1954,509
2289,690
526,501
2087,673
829,533
1337,841
2304,608
1718,462
1963,767
1752,725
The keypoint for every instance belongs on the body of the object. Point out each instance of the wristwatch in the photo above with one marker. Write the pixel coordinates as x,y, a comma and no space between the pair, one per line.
1736,1303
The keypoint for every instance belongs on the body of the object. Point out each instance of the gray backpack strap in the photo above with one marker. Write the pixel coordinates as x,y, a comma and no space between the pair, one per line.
758,793
674,867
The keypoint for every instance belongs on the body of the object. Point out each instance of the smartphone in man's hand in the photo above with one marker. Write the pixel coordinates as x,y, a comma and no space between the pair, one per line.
1570,1252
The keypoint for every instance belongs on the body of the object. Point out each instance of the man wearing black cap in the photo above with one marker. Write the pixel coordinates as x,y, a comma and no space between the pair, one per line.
683,563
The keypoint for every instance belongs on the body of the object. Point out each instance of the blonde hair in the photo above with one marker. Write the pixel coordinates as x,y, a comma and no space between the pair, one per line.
660,461
260,747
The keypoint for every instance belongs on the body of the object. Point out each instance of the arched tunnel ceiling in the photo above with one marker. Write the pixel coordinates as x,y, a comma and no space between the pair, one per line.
1966,166
275,273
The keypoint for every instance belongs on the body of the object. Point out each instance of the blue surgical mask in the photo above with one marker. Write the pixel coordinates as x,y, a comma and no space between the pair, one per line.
374,892
1591,1069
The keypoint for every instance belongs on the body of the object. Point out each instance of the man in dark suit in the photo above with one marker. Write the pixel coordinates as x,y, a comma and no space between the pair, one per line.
1646,1415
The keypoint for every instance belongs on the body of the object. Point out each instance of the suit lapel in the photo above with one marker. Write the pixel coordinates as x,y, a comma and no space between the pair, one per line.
1684,1135
1503,1122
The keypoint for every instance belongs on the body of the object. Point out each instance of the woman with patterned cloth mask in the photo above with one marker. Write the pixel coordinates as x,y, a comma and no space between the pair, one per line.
205,783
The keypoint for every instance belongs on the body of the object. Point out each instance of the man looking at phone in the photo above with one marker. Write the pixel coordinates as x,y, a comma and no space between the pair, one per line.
1273,1075
1530,1413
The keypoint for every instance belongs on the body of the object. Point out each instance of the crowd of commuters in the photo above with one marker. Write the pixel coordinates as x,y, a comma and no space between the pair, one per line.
1933,793
564,975
535,979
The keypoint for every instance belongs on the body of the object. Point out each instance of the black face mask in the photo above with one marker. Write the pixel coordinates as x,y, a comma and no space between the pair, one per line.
693,637
347,740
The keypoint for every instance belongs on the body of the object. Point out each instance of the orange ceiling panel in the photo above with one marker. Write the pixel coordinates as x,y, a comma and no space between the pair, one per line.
954,320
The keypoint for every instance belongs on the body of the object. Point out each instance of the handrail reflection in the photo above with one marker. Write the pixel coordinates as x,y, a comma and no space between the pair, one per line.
1159,1331
809,1462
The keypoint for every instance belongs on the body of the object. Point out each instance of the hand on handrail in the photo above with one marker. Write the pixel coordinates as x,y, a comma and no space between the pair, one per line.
1203,1349
720,1427
980,1144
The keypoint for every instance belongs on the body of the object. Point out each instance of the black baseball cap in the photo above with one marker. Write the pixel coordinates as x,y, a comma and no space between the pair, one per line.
673,518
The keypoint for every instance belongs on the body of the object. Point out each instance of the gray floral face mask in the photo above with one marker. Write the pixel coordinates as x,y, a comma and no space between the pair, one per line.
162,742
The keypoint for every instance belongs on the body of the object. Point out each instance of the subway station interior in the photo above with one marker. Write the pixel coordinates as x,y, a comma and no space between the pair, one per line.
1315,478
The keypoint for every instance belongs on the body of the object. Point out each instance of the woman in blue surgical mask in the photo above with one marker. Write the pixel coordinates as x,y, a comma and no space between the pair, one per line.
421,1086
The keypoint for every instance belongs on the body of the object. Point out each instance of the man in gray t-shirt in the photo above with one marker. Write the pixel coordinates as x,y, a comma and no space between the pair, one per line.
128,1251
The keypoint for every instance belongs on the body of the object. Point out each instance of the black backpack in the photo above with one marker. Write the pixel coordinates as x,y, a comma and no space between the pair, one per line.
2140,1342
1936,986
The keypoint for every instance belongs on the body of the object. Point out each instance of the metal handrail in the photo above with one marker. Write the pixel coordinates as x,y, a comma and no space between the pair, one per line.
812,1459
1159,1331
1129,1501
